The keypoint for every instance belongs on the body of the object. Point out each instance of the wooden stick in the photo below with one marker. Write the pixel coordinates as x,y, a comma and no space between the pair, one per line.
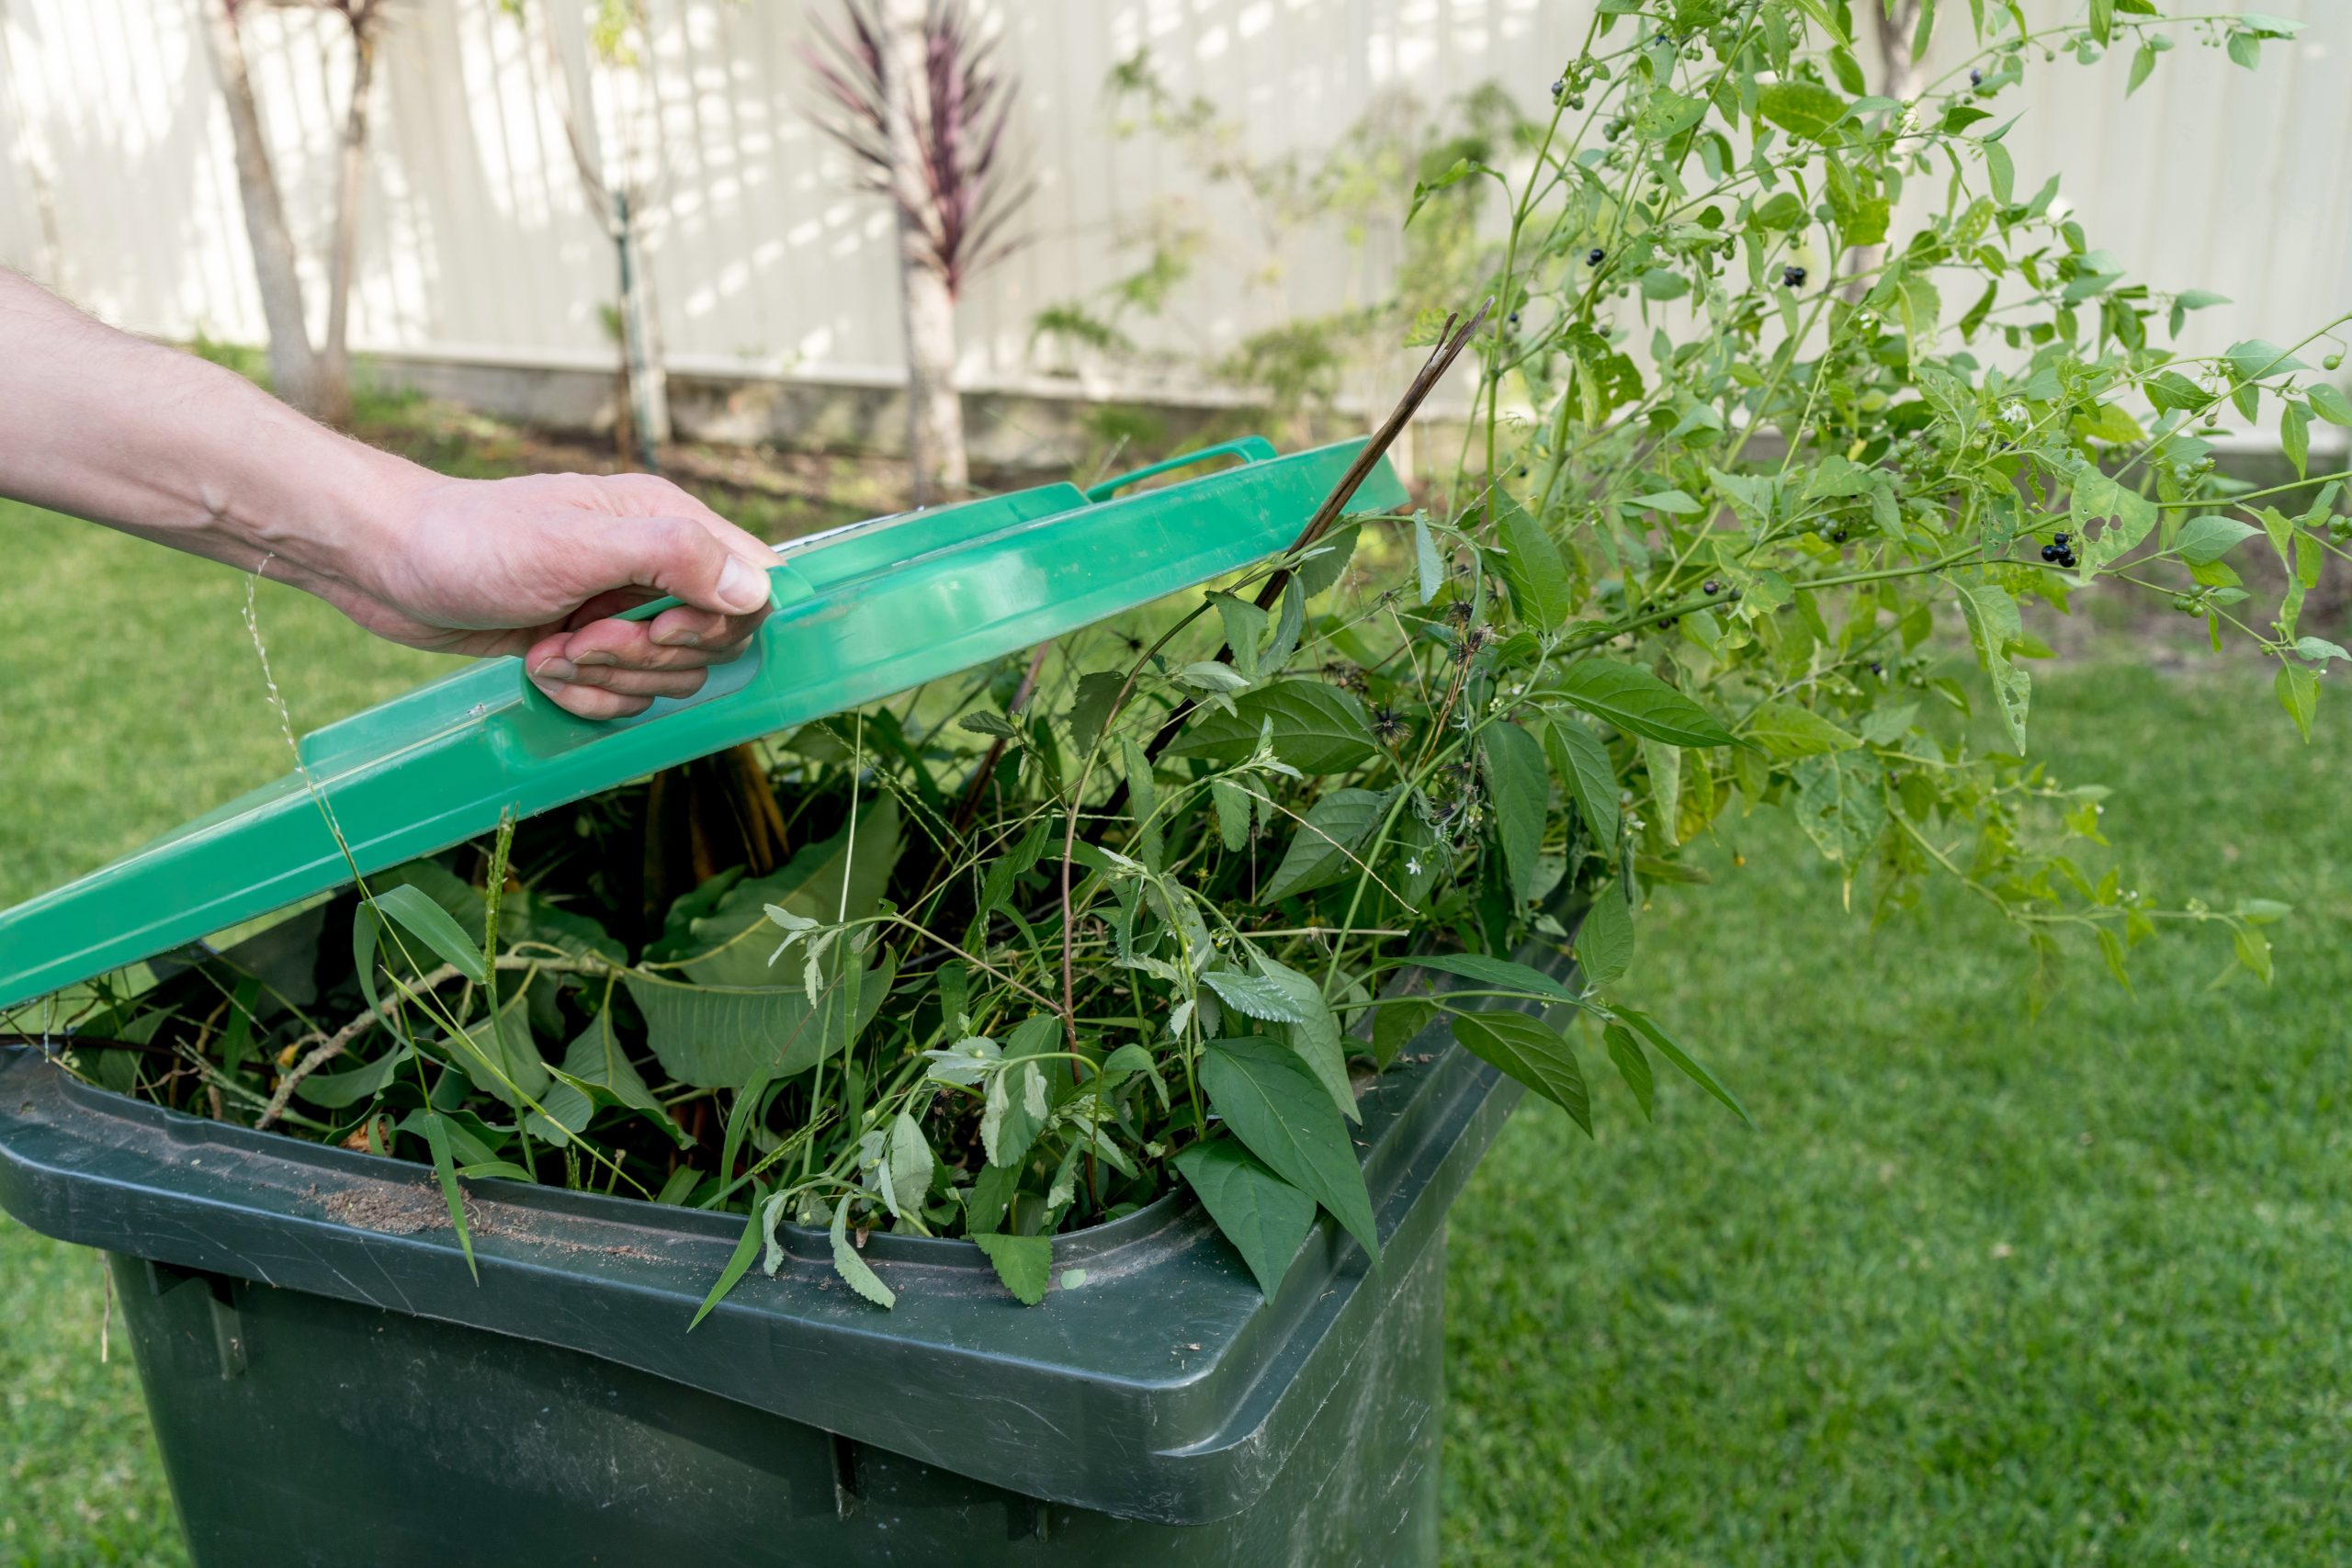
1451,343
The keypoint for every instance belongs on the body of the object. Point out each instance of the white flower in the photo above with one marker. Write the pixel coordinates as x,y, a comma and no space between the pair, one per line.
1412,865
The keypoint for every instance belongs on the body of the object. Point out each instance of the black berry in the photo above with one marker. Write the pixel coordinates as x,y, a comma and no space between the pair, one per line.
1559,87
1838,538
2059,540
1976,78
1793,276
1595,255
2050,552
1876,668
1711,586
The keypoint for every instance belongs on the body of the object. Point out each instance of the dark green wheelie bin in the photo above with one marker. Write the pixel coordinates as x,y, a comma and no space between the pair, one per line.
330,1384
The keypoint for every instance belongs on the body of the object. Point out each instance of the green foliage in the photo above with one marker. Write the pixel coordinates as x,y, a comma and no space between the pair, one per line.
1746,472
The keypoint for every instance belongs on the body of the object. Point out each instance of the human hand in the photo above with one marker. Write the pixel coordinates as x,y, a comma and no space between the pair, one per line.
540,564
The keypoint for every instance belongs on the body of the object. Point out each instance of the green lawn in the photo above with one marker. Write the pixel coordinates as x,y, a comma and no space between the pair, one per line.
1972,1290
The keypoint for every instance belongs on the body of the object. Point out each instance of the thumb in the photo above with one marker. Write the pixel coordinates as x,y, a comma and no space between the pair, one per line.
680,556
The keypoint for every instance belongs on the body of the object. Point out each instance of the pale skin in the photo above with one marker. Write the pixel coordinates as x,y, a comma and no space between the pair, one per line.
168,446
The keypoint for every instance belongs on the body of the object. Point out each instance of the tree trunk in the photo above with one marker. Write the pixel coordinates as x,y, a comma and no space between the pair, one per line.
334,358
648,382
293,366
934,412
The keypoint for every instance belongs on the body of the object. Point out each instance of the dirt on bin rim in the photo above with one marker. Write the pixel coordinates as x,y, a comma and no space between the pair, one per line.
395,1208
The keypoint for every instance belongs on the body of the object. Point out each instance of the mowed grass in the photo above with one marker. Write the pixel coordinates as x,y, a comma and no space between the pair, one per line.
1972,1290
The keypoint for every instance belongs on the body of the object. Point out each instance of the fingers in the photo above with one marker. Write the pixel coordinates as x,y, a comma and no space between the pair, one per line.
703,639
711,566
598,681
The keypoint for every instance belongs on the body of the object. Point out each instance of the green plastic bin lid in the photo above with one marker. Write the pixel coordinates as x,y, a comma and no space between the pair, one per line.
862,612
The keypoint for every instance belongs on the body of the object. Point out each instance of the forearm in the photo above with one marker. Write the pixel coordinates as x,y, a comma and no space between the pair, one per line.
163,445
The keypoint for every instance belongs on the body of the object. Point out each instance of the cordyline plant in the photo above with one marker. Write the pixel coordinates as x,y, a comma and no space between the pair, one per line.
1017,953
963,193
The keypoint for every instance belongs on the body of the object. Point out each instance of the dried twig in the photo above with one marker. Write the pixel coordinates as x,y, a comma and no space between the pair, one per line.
1451,343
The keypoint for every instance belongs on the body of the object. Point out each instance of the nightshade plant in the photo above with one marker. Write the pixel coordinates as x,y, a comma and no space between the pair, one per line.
1792,406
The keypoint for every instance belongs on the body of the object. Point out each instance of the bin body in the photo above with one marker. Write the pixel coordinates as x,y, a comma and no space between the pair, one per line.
301,1429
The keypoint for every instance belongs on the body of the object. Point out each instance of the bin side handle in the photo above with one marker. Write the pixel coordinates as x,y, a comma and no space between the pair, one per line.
1249,449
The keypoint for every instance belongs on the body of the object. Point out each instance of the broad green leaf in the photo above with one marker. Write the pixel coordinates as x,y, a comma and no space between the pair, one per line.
2329,403
1090,707
1582,762
906,1166
2298,690
1290,621
1605,940
1026,1263
1143,800
1265,1218
595,1072
1317,728
1273,1104
434,926
1786,729
2000,173
1534,568
1254,996
1328,846
1680,503
1665,113
1532,1052
1660,1041
1841,805
1313,1031
2254,359
2318,650
1995,627
1327,560
1245,630
1396,1025
1634,700
1800,107
1020,1097
1625,1052
852,1269
2206,539
1521,791
721,1036
336,1090
1232,813
2295,435
727,940
1494,973
1664,764
499,1055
